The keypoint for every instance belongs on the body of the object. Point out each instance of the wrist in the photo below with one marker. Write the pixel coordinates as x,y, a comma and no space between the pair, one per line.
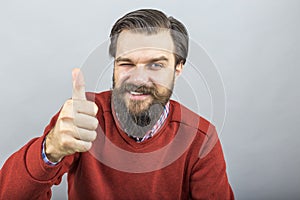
49,150
45,158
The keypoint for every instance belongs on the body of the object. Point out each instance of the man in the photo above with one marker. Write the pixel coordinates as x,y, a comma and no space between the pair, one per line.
132,142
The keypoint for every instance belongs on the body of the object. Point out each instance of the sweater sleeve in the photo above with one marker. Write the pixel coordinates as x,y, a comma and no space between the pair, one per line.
208,178
26,176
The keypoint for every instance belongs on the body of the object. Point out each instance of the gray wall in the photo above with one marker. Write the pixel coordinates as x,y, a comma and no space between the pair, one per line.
254,44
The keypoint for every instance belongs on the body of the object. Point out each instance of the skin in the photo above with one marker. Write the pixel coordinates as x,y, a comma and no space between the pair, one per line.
75,128
140,59
145,60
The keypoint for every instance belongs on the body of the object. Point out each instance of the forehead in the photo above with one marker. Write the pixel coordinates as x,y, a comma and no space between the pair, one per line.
129,42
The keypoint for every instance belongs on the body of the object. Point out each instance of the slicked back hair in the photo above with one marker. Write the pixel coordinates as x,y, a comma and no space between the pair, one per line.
150,21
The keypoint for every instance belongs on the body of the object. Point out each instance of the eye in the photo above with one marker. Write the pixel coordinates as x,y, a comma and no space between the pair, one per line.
126,64
155,66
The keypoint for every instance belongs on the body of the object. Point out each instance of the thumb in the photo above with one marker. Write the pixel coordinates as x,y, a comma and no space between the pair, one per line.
78,85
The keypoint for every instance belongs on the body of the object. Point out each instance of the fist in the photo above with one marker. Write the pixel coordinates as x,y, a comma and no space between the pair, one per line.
75,128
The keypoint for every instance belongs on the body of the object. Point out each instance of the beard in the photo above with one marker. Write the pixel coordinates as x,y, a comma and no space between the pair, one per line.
137,117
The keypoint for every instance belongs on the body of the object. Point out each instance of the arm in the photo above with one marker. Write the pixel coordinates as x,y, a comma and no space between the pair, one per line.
25,175
209,179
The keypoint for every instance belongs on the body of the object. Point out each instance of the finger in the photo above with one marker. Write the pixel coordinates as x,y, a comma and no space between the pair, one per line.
81,146
85,135
86,107
85,121
78,85
72,145
67,111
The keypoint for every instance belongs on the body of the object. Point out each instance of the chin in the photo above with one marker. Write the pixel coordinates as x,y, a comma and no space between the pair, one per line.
138,107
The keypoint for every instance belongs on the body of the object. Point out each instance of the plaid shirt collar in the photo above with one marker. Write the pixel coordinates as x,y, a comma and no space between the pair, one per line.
157,125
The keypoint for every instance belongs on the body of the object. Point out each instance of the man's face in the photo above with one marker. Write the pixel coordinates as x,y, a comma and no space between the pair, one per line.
144,75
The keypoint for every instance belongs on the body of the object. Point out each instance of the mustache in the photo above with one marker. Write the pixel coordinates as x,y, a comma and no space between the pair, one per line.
149,90
129,87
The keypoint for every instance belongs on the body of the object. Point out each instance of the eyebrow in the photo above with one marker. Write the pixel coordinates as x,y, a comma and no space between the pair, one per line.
161,58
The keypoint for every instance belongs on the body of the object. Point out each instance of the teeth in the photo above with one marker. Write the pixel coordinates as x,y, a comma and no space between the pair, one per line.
135,93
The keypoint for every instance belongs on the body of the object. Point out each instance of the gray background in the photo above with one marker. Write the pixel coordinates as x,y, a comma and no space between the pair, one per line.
255,45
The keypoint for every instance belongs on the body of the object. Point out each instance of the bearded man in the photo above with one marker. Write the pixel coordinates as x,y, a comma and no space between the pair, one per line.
132,142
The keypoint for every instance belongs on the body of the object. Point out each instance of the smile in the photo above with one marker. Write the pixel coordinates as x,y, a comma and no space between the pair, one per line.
137,95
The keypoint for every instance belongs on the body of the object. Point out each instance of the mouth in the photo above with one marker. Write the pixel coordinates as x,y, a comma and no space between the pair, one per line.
138,95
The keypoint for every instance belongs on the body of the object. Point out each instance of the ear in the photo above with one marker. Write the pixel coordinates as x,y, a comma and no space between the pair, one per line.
178,69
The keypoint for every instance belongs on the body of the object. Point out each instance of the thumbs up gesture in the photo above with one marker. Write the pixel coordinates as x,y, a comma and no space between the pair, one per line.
75,128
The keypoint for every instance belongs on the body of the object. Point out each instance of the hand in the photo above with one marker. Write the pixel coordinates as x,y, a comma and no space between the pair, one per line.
75,128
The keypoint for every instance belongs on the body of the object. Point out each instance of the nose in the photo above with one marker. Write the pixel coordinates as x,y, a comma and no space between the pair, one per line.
139,75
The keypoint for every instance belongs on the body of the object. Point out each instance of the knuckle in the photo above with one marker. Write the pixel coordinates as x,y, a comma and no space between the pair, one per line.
68,143
92,107
79,134
65,129
92,135
78,119
68,103
66,115
87,146
75,119
95,108
77,104
64,142
67,111
94,124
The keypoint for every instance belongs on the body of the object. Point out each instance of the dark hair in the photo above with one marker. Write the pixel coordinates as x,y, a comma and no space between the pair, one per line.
150,21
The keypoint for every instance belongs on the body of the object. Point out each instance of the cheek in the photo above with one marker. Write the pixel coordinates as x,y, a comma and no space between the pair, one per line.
164,81
119,77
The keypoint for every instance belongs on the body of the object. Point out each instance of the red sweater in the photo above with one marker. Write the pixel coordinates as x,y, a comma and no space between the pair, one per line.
184,160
